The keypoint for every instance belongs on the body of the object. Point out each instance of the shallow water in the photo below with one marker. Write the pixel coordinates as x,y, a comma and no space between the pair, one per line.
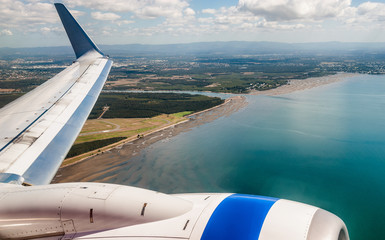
324,146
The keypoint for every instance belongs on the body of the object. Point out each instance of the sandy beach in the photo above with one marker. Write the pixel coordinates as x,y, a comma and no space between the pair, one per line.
303,84
109,160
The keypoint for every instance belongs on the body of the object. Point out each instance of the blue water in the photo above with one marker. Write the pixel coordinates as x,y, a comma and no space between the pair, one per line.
324,146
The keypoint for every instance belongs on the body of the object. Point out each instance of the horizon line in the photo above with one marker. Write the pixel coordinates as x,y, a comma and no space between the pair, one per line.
203,42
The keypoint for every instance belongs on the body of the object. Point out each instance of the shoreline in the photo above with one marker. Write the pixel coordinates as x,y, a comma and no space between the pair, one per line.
103,161
296,85
120,144
130,147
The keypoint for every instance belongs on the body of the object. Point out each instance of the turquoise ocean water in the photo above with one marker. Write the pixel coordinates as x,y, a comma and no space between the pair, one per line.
323,146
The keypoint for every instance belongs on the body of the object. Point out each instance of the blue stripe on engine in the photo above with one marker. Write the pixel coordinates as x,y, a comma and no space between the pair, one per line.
238,217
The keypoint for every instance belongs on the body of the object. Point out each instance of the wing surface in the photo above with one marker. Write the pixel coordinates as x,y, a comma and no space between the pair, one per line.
38,129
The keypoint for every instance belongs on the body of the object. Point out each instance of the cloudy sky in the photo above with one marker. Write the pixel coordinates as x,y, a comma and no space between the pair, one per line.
30,23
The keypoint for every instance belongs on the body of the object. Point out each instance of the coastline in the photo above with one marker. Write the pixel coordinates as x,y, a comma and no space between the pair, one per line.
74,160
102,162
304,84
113,154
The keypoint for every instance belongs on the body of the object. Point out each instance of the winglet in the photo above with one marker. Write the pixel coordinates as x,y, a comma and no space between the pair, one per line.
80,41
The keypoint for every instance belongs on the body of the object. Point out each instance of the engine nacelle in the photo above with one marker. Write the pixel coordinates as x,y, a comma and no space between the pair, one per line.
264,218
296,220
67,209
108,211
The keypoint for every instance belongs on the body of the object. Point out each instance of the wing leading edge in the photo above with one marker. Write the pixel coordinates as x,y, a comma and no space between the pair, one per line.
38,129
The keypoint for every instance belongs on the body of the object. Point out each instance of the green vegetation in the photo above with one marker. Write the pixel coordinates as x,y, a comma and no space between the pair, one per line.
129,128
115,134
22,85
214,72
141,105
145,105
182,114
217,74
84,147
7,98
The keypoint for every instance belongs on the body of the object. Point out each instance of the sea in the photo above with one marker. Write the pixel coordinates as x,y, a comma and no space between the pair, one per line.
323,146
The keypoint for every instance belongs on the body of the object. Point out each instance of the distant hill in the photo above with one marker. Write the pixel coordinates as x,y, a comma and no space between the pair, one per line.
244,48
37,51
213,48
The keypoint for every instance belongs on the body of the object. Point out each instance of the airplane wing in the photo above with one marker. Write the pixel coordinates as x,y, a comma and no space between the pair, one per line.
38,129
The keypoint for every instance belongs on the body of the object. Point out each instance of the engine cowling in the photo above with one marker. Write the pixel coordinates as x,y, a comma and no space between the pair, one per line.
264,218
81,208
109,211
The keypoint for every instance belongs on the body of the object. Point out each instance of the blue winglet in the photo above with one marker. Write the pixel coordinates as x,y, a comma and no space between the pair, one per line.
80,41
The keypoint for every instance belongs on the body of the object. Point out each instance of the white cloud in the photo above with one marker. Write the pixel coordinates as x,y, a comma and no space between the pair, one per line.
47,30
370,7
230,16
205,20
279,10
122,22
365,13
155,11
209,11
111,6
105,16
189,12
6,32
280,26
169,18
146,9
20,14
256,17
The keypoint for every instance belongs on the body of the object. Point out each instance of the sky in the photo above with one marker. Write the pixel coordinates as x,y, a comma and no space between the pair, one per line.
35,23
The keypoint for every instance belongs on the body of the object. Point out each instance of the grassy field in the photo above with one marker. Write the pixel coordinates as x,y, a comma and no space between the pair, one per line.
182,114
107,133
96,125
97,129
